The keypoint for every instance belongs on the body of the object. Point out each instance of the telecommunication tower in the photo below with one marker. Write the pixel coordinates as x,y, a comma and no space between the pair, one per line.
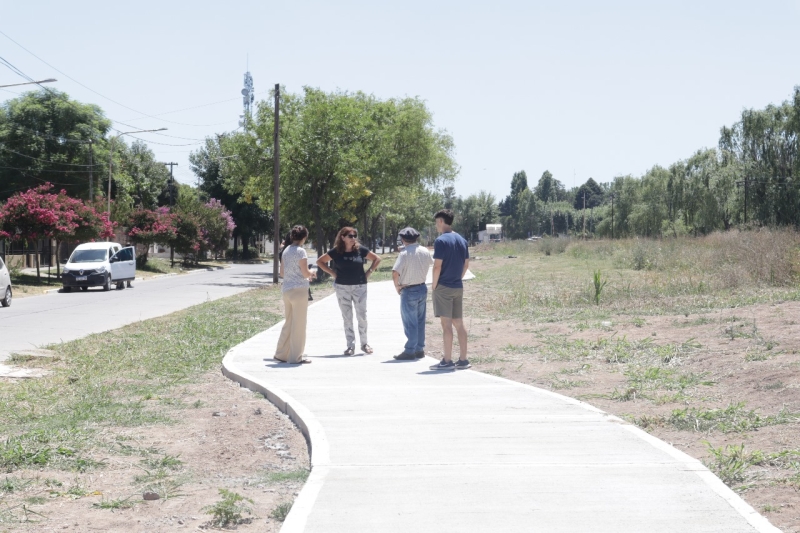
248,97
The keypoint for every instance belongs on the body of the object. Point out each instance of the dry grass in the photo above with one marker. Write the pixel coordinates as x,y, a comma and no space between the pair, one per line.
644,277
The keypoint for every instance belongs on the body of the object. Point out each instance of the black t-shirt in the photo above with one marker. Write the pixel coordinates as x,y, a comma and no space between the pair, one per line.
349,266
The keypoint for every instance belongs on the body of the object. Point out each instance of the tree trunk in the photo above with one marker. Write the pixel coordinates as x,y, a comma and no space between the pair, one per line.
58,260
245,249
317,218
235,247
38,273
366,229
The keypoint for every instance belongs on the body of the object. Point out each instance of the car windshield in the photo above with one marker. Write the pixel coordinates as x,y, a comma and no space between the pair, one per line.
88,256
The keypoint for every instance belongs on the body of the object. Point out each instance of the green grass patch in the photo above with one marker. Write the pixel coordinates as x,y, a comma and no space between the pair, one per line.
281,512
123,378
730,463
732,419
660,378
114,505
290,476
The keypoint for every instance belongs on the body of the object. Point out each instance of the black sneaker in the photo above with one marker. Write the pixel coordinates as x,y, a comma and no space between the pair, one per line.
420,354
462,365
405,357
444,365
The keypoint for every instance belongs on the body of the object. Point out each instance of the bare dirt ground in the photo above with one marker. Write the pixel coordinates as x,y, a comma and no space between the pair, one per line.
232,439
747,354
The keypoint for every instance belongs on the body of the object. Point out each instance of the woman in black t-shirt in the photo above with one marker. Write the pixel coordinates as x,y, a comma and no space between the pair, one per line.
348,259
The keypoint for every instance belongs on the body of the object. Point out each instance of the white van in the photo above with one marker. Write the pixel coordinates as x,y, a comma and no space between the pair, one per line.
99,264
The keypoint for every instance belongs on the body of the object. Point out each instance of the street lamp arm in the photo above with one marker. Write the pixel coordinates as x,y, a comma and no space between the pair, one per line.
49,80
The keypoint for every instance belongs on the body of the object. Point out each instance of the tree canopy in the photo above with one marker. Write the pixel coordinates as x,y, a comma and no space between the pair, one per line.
45,137
341,155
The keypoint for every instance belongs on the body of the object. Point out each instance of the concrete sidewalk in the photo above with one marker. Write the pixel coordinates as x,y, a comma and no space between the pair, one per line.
396,447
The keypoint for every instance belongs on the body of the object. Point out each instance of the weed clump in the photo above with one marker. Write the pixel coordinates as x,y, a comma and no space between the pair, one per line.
732,419
228,511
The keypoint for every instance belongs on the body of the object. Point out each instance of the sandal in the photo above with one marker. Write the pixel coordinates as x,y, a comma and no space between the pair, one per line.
280,360
366,348
350,351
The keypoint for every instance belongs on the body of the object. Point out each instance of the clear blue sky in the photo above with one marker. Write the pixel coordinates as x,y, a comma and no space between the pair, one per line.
580,88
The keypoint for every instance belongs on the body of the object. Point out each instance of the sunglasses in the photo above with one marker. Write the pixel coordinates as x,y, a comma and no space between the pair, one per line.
352,235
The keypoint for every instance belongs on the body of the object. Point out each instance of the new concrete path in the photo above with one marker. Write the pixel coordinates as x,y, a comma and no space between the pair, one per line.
397,447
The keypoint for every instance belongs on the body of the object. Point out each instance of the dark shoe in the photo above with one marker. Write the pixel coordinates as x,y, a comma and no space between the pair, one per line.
406,357
366,348
350,351
420,354
462,365
444,365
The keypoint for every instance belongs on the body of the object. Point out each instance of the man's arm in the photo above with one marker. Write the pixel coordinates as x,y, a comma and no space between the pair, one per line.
437,269
466,267
396,278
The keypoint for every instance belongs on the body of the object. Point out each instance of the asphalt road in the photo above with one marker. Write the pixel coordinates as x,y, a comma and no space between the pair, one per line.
41,320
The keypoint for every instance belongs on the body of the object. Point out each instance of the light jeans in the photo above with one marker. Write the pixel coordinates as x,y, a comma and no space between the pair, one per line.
413,309
350,296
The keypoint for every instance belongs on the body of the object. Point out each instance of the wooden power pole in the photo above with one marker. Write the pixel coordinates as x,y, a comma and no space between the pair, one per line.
276,167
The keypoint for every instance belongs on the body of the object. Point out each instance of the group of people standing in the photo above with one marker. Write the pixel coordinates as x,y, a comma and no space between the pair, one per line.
346,263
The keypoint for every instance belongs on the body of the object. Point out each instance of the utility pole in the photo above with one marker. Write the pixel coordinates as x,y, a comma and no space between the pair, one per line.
584,215
171,182
613,195
171,186
91,170
276,185
745,182
383,238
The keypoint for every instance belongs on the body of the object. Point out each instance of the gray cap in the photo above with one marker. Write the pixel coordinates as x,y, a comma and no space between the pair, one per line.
409,234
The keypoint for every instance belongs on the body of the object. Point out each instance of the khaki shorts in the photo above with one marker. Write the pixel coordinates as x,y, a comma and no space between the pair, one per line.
447,302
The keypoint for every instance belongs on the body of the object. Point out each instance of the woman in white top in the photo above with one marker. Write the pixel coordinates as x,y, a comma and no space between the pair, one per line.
296,275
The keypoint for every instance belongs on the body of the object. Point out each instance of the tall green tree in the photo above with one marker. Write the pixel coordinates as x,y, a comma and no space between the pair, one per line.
249,218
340,152
765,144
45,137
549,189
589,195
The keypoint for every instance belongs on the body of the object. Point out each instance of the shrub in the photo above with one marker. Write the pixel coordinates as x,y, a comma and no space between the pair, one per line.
228,511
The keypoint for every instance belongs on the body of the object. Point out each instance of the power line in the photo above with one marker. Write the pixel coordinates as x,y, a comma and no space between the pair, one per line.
194,107
45,160
144,115
41,170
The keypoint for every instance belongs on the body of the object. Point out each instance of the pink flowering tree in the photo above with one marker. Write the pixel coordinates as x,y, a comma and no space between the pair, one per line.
89,224
40,214
216,227
188,236
148,227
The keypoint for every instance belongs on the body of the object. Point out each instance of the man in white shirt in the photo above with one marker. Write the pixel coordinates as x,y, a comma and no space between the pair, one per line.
409,273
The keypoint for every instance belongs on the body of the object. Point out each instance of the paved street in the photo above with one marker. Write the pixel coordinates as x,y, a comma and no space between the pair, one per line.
40,320
396,447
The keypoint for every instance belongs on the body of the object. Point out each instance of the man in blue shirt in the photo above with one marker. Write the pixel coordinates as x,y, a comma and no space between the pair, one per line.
450,263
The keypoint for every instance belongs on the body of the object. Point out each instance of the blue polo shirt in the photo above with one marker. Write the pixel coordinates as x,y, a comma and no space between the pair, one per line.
452,249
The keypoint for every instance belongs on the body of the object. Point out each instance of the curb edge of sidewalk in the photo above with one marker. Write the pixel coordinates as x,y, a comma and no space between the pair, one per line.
316,439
